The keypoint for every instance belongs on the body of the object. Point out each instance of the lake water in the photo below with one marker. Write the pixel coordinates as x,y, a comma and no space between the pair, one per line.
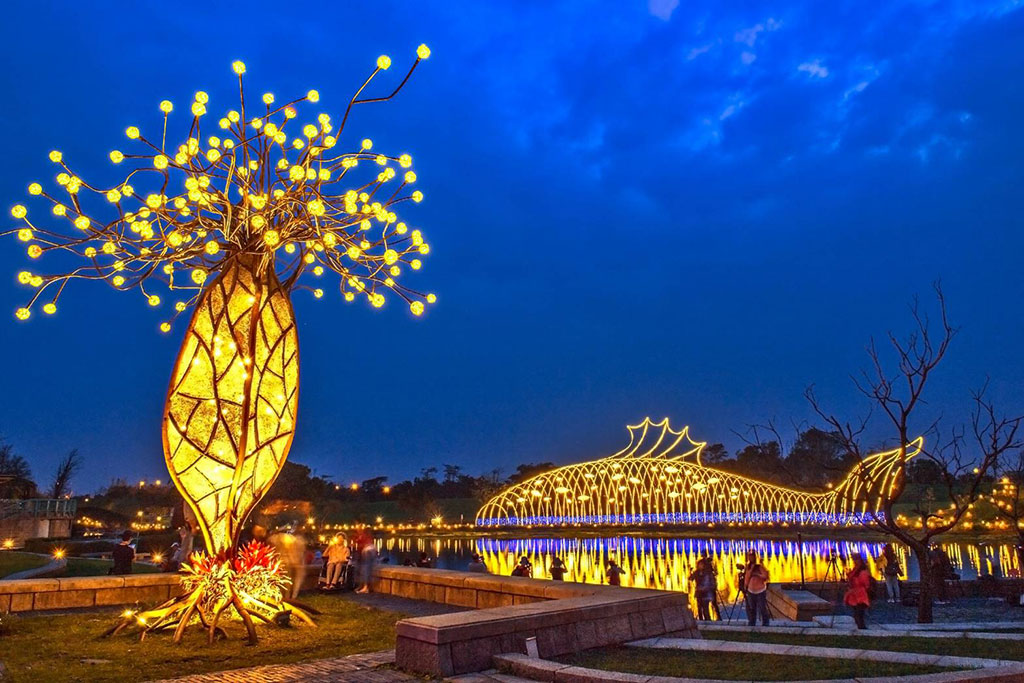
666,563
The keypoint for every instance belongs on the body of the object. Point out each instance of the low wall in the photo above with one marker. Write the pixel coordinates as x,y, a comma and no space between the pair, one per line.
27,595
561,617
479,591
88,591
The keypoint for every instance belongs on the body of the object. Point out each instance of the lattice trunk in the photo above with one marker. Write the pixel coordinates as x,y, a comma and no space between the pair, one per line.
231,406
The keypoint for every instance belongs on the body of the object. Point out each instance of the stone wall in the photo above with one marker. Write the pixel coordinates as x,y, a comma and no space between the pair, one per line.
561,617
99,591
88,591
480,591
20,529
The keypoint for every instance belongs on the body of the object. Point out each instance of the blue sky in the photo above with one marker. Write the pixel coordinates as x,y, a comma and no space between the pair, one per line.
691,210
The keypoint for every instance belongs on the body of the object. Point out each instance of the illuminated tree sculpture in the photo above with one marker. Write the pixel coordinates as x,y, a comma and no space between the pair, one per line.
659,479
230,223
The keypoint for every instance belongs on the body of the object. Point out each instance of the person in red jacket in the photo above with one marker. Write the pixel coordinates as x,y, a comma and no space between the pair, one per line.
858,585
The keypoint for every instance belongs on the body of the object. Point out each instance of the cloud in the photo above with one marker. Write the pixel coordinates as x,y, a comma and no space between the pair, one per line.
748,57
748,36
697,52
814,69
662,9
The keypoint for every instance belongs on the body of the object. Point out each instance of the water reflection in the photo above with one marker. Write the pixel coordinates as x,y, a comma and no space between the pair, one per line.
666,563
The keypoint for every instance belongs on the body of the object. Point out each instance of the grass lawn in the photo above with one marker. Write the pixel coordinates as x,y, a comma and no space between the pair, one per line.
961,647
60,647
734,667
11,562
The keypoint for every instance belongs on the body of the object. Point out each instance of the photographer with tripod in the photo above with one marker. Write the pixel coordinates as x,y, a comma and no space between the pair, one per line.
755,587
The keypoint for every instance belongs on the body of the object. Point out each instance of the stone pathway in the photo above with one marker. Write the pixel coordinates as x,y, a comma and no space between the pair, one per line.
959,609
823,652
811,629
373,667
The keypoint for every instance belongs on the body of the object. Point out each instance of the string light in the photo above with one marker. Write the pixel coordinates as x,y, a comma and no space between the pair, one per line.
201,208
659,478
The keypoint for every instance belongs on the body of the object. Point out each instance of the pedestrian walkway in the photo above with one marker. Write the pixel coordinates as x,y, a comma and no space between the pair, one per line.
731,646
791,628
373,667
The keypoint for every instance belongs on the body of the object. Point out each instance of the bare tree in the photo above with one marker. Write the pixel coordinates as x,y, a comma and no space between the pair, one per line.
15,475
898,395
66,468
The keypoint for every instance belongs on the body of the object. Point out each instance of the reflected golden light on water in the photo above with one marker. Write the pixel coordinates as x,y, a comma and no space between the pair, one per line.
667,563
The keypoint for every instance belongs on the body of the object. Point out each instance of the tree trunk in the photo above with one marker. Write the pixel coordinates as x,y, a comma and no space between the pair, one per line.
926,596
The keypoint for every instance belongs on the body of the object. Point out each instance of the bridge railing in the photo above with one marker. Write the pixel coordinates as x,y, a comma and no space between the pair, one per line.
48,508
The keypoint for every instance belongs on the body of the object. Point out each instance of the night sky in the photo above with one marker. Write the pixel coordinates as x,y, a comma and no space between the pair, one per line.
634,209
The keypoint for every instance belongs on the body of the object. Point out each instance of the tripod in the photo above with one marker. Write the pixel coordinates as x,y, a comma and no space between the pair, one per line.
721,596
739,595
831,570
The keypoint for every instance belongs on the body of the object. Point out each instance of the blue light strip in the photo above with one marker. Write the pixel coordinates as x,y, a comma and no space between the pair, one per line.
817,518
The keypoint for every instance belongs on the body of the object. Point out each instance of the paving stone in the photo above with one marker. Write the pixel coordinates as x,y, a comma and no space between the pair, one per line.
575,674
364,668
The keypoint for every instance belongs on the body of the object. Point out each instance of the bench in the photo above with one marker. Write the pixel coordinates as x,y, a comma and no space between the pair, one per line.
563,617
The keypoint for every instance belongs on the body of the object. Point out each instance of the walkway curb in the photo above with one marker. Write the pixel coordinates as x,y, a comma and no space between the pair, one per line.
941,626
823,652
545,670
869,632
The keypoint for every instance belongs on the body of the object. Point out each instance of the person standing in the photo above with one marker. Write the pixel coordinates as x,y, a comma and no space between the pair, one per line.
614,573
937,564
367,558
524,568
706,588
124,555
755,589
337,557
891,572
184,549
476,565
858,586
291,549
557,569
